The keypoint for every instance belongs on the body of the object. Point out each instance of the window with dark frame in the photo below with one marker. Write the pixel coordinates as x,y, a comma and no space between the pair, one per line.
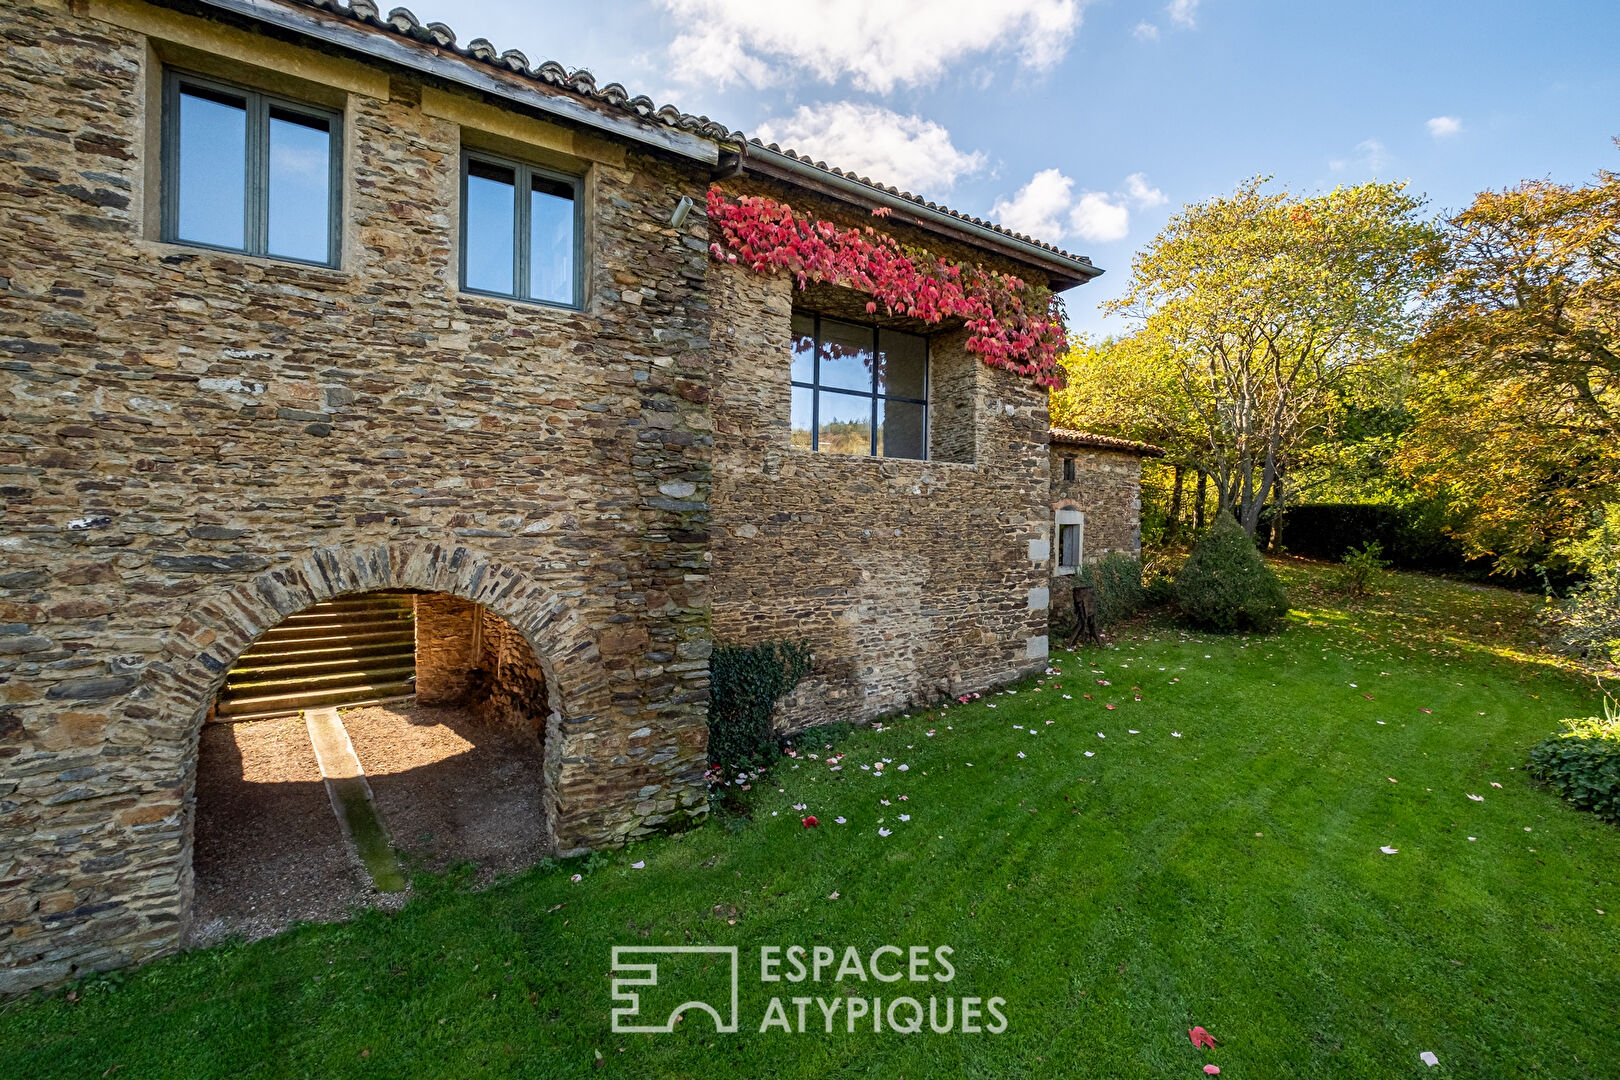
522,231
859,389
1068,468
1069,546
250,172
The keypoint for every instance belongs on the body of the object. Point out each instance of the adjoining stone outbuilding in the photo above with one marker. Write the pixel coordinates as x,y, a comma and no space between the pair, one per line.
455,332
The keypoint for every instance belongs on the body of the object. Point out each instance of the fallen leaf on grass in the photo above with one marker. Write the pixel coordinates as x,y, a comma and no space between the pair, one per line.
1201,1038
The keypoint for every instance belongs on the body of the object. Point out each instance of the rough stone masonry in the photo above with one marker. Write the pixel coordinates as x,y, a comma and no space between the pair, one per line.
195,444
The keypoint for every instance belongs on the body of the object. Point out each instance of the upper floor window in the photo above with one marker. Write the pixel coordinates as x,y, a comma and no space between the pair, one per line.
250,172
859,389
1068,468
521,231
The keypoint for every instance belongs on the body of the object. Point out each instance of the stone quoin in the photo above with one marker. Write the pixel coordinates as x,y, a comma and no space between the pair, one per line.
200,442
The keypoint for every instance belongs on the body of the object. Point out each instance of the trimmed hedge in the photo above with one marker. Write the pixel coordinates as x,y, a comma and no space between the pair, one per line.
1226,586
1411,537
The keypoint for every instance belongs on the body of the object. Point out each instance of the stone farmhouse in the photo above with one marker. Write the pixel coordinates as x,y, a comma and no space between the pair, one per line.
313,318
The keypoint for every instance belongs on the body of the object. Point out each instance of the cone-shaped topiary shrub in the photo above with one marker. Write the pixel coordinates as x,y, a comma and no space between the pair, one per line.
1226,586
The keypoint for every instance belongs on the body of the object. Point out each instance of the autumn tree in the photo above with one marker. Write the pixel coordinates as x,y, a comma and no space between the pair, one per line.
1259,305
1517,398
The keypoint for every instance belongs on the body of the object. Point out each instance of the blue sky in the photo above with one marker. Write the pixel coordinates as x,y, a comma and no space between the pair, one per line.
1090,123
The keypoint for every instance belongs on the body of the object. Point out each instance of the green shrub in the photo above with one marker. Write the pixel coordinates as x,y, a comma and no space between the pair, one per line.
1226,586
1359,569
1583,764
1116,578
1159,590
745,683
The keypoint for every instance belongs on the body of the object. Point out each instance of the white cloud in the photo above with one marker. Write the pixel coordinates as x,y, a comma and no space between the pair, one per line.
1184,13
1141,193
1039,207
1443,127
1097,219
909,152
1145,31
1047,209
1370,157
878,44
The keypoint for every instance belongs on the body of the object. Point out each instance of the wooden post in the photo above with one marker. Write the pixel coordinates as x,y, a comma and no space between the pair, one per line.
1085,615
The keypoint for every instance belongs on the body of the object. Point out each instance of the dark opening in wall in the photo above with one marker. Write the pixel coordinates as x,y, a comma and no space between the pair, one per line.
389,729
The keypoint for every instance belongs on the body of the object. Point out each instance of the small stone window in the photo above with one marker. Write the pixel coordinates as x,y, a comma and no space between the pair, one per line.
1068,468
250,172
1071,540
859,389
522,231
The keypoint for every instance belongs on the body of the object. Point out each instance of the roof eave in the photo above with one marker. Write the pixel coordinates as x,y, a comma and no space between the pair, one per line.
1062,273
376,45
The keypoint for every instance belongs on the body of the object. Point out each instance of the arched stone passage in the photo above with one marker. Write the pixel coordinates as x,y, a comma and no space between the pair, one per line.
220,626
102,823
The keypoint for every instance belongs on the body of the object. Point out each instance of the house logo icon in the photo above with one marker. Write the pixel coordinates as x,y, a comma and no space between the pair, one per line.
629,973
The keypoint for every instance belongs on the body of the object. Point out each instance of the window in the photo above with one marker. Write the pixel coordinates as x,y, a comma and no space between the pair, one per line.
859,389
521,231
1068,468
1071,537
250,172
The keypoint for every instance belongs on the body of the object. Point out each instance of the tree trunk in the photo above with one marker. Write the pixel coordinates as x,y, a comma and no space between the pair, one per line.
1172,529
1199,500
1279,506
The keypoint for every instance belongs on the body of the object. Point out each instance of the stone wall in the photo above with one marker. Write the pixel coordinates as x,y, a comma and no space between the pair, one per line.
913,580
446,648
1107,488
200,443
512,687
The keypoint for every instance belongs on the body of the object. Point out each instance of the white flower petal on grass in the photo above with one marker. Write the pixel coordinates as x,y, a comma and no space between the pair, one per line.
1175,734
841,821
1100,735
1387,850
1428,1058
1090,754
1068,697
800,806
1495,784
639,864
577,878
989,704
905,817
1020,753
1133,731
1477,798
1473,838
885,832
903,768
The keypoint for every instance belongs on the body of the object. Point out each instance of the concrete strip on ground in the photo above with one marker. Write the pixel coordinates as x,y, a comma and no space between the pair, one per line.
351,799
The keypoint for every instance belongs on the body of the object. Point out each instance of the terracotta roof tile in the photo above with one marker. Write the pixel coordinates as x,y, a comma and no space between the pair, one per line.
920,201
1071,437
403,22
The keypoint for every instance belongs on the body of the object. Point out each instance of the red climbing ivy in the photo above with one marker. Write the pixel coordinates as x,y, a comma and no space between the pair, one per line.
1012,324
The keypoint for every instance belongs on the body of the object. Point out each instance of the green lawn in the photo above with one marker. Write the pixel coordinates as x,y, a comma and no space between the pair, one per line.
1230,878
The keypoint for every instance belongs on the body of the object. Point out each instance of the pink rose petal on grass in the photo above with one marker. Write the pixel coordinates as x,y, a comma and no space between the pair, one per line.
1213,1070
